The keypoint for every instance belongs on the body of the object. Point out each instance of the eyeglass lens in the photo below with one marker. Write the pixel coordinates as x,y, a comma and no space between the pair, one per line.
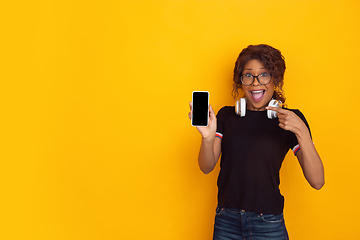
248,79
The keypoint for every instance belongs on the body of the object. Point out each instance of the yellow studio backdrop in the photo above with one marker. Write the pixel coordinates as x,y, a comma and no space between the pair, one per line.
96,142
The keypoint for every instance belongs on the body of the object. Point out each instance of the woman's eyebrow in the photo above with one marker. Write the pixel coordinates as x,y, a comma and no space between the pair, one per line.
251,68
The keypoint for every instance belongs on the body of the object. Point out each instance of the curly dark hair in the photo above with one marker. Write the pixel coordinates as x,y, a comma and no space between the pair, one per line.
272,60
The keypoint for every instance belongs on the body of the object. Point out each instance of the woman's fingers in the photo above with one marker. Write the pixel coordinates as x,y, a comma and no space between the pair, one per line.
211,112
190,113
277,110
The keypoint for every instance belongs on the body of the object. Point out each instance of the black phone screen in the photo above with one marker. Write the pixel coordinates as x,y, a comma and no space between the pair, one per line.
200,109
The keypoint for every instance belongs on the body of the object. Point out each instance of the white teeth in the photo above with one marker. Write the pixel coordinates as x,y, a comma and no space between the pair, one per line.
260,91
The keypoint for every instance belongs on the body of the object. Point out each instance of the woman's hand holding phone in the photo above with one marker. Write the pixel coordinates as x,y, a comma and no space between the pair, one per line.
209,131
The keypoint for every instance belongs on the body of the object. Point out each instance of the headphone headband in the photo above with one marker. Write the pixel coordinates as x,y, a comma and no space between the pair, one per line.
240,107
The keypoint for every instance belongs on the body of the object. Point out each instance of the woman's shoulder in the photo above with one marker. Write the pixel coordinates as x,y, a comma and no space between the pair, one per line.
226,109
297,112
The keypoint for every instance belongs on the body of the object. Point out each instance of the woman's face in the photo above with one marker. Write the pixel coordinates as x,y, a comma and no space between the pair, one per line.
258,96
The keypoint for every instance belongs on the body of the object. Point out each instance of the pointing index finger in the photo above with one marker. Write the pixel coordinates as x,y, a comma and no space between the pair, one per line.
277,109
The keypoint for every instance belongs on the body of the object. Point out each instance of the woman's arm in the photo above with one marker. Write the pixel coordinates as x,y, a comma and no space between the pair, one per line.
209,154
310,161
210,148
308,157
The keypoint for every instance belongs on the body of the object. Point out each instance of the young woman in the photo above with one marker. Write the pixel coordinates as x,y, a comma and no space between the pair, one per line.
253,147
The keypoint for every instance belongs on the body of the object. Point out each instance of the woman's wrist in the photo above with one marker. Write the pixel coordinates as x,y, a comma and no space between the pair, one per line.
209,138
303,133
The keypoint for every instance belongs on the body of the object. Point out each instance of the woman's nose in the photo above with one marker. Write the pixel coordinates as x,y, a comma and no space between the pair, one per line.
256,82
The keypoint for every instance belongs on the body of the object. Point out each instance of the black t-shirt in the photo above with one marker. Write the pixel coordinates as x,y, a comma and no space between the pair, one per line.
253,149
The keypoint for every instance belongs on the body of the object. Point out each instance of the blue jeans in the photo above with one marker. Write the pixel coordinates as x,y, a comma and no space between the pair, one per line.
239,224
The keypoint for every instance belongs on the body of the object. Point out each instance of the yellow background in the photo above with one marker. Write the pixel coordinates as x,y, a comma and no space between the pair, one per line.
95,138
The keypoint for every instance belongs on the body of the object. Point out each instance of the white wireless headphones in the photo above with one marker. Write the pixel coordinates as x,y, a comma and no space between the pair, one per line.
240,107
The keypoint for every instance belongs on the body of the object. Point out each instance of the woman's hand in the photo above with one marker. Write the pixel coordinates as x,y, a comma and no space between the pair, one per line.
288,120
209,131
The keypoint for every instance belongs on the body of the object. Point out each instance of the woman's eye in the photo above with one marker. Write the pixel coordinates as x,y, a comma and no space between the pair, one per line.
264,74
248,75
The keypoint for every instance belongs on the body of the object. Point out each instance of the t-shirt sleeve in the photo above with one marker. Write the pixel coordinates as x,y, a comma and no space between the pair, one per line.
220,117
293,143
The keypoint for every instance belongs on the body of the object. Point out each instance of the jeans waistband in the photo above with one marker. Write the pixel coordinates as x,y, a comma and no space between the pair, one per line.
240,211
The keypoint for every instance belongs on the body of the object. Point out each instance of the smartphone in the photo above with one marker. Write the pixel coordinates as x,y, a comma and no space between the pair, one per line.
200,108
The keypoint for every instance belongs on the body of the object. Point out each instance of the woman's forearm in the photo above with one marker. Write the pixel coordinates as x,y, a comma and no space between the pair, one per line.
206,159
310,161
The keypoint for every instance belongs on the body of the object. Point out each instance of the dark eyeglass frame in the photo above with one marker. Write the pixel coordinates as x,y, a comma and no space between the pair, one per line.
257,77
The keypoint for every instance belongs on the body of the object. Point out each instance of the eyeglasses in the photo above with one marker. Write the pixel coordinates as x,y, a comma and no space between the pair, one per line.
248,79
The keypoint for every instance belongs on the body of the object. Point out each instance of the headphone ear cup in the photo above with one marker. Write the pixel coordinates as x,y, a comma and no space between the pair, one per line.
237,107
242,107
273,103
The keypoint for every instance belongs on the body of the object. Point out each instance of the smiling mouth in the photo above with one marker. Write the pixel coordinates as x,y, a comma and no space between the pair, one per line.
257,95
